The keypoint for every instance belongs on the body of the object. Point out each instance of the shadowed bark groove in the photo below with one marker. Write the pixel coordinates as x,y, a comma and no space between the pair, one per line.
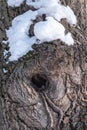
46,89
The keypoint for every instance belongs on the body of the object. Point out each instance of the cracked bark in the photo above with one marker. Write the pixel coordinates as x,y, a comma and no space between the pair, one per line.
62,103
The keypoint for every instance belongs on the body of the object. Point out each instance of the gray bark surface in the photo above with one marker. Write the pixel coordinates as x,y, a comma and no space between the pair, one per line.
47,88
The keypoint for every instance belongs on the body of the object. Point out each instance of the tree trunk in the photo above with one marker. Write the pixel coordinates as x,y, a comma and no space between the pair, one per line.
46,89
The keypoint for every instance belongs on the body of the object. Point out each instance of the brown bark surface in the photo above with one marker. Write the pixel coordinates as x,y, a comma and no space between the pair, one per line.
47,88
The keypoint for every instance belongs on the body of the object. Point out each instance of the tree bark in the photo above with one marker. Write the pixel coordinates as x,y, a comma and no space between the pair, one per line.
47,88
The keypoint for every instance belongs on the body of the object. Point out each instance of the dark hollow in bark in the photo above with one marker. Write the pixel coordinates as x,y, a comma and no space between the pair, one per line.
40,82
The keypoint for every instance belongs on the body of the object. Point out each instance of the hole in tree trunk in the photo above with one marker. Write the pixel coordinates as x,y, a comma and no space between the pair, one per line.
40,82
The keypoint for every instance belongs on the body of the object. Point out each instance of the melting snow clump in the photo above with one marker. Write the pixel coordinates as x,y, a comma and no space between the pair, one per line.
53,30
14,3
45,31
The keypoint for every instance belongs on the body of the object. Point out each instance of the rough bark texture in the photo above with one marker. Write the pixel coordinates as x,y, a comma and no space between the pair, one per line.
47,89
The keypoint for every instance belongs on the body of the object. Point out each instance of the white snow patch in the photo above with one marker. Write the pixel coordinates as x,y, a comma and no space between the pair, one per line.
52,30
49,30
55,10
5,70
5,53
68,39
14,3
19,41
71,18
5,42
18,34
43,3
